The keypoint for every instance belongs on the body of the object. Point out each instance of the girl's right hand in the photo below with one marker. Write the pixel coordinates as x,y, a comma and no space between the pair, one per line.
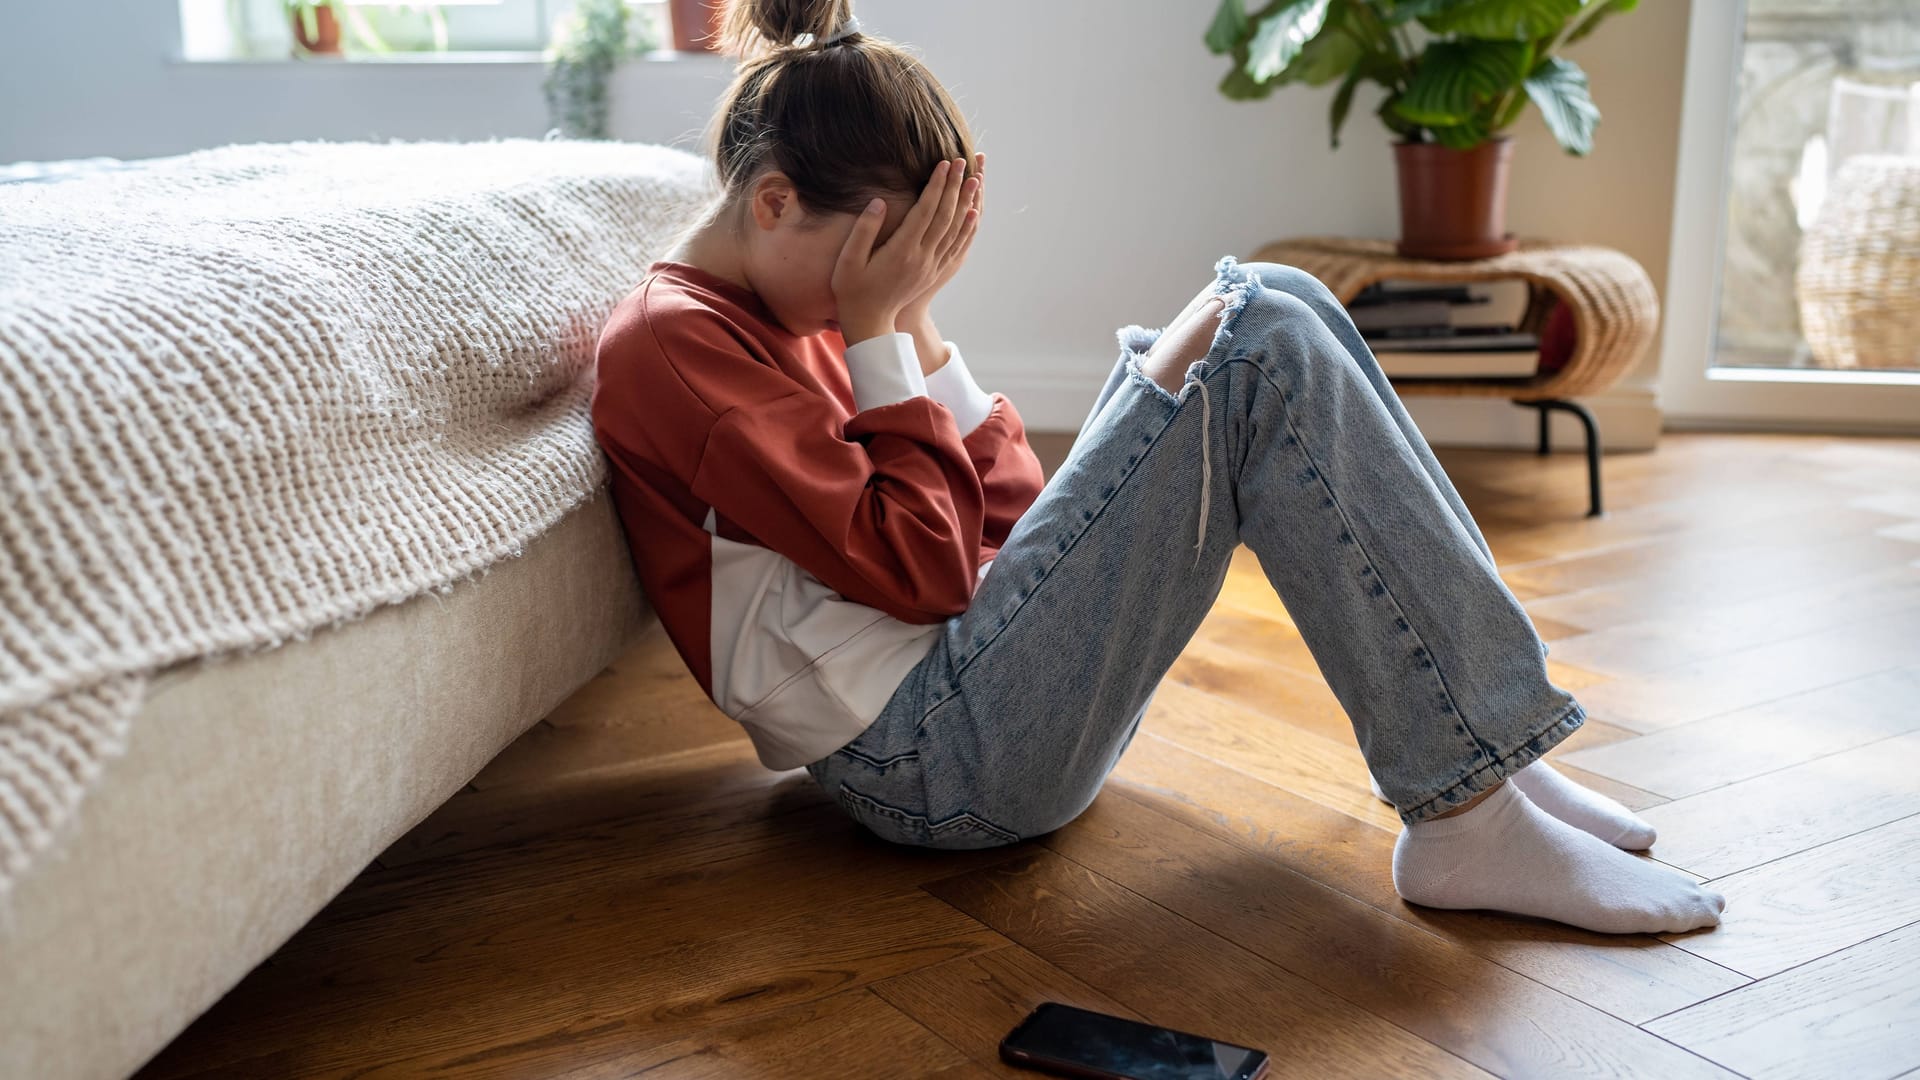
873,285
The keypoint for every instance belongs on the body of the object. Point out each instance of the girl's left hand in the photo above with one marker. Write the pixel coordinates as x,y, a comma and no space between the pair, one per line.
921,303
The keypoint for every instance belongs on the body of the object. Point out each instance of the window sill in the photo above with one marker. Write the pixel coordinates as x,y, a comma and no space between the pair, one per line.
438,59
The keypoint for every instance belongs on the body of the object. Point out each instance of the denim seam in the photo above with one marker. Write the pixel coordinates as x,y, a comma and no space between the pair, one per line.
910,755
924,825
968,815
1503,765
1132,467
848,793
953,691
1286,415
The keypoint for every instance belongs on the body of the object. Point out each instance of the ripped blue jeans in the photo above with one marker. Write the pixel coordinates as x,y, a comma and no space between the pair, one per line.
1286,437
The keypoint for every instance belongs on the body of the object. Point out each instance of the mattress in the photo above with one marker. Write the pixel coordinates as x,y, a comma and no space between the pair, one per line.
255,389
255,788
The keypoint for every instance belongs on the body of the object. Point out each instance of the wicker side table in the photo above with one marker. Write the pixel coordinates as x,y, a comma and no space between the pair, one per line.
1612,302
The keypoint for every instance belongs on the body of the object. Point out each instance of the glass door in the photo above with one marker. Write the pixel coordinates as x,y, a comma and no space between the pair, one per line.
1794,295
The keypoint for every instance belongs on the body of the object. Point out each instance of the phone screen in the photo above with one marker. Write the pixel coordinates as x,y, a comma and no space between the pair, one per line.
1096,1044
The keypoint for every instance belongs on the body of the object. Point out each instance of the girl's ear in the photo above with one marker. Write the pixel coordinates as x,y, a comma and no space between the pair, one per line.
773,199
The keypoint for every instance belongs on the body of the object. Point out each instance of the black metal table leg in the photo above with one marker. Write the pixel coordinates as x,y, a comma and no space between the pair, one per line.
1546,405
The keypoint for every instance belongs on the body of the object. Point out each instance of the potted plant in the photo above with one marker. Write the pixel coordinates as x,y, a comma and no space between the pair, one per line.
695,24
316,25
585,49
1457,74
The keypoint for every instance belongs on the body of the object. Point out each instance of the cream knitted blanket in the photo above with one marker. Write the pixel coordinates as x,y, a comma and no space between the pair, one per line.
250,392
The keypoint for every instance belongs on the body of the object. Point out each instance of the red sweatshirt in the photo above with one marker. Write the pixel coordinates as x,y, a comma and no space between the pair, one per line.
803,515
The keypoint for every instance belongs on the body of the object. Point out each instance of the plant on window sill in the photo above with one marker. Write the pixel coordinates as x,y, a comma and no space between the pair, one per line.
586,48
317,26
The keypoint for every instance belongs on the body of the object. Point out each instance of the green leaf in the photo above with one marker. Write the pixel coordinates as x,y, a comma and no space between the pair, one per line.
1389,114
1456,77
1559,88
1329,54
1395,12
1460,136
1229,27
1240,86
1604,8
1503,20
1281,37
1343,102
1508,113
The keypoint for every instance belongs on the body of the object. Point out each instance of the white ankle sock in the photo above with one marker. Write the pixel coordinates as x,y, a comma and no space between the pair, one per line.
1580,807
1506,854
1583,808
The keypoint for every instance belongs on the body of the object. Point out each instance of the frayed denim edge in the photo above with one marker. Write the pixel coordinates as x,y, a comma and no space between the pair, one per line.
1502,767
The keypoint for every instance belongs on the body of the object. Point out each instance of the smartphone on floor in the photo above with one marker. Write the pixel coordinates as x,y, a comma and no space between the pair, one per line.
1068,1041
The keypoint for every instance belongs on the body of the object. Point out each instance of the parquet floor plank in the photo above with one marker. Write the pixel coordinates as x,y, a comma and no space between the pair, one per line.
627,890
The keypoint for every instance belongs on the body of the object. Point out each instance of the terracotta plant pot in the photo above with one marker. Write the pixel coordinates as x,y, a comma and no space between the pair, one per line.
696,24
1453,203
327,30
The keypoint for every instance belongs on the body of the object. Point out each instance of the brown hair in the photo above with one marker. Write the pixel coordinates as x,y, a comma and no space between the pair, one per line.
844,121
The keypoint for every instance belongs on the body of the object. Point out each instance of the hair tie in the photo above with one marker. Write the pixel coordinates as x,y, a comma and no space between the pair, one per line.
846,29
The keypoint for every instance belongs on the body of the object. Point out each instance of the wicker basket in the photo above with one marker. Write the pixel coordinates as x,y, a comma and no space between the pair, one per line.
1859,275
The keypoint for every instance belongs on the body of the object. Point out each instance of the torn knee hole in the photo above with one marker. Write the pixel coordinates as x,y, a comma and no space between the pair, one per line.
1181,345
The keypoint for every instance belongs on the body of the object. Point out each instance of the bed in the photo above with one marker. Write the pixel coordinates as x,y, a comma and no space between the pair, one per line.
249,640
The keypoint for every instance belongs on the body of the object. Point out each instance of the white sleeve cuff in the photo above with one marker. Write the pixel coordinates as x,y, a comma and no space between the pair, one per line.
885,370
952,385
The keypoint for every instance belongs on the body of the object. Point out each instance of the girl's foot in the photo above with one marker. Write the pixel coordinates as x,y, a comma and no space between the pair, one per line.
1506,854
1580,807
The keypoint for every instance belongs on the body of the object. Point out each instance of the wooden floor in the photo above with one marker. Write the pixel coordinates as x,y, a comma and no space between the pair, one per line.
626,890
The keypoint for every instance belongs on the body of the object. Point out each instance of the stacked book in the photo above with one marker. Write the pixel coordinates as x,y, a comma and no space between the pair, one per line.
1431,330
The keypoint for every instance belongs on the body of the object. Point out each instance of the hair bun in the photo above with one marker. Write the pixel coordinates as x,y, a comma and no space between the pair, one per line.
843,32
753,27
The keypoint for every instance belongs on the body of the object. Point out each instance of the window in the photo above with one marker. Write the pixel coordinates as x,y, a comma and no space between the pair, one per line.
373,29
1814,265
1765,212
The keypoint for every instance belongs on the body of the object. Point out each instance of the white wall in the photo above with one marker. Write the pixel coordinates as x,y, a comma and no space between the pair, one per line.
1118,173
